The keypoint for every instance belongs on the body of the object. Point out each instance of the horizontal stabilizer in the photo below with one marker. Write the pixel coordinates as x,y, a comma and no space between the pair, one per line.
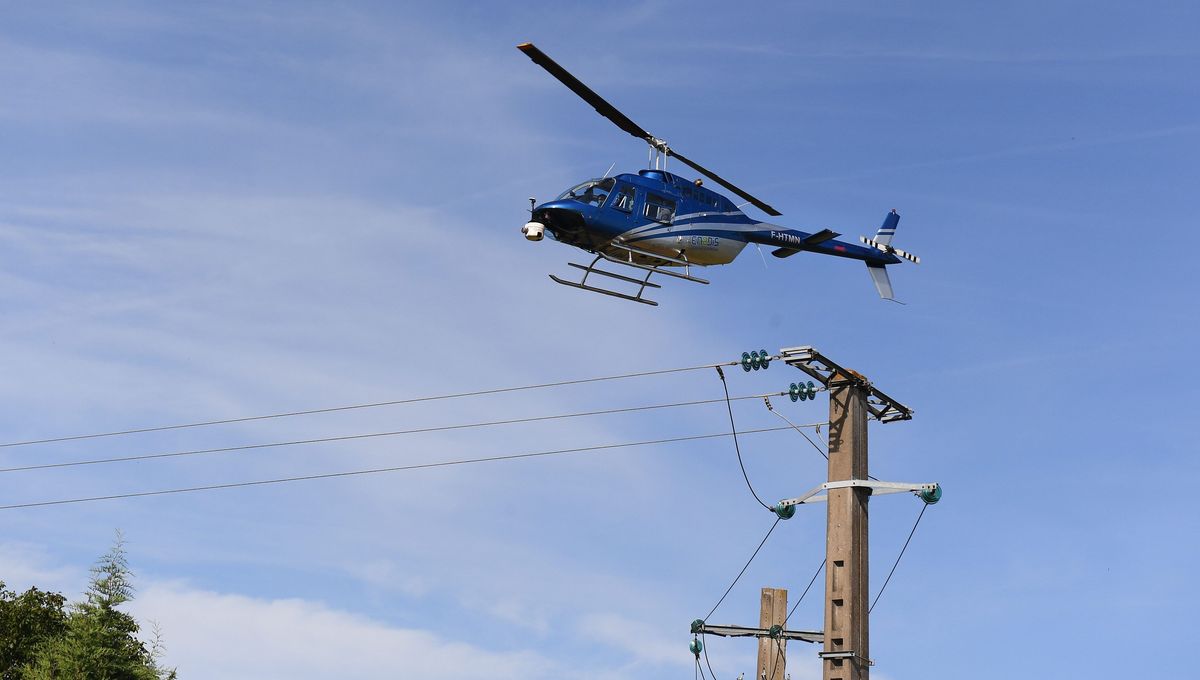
810,240
821,237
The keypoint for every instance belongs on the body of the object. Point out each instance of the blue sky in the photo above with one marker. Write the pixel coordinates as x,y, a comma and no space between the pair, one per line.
223,210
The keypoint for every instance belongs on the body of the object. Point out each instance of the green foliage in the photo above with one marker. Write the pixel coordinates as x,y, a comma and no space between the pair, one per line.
28,622
92,641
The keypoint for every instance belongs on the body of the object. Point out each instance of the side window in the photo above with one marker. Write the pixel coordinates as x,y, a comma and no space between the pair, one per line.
624,199
659,209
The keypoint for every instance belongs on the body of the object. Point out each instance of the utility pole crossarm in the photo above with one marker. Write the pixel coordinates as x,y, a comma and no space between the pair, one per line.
743,631
882,407
876,488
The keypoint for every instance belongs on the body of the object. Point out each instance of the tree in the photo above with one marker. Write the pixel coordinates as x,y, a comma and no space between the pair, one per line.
28,622
100,641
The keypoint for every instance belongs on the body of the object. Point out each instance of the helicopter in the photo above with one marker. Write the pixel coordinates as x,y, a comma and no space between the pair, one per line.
660,223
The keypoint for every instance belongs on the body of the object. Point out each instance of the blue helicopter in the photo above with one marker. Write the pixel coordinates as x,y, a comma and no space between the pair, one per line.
661,223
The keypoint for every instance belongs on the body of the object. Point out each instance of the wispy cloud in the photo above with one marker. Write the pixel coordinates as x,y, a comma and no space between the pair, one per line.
295,638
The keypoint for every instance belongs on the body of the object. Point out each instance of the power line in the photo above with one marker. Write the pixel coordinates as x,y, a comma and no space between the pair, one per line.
706,661
319,440
802,432
806,589
924,507
767,401
332,409
752,556
780,655
778,645
419,466
736,446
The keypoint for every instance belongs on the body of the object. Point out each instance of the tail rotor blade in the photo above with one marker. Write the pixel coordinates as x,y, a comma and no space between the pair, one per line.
890,250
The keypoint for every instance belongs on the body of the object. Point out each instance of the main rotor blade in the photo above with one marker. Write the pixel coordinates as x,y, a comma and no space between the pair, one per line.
726,183
622,121
602,107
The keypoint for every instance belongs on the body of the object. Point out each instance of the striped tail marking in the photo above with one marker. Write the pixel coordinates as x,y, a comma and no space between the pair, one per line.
891,250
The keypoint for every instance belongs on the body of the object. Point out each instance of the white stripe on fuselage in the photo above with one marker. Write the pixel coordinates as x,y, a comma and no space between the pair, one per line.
657,229
679,220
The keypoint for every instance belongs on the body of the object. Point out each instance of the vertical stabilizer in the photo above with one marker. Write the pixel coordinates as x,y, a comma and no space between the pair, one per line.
887,229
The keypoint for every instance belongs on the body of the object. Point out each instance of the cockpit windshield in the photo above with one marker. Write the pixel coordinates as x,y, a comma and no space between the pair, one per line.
592,192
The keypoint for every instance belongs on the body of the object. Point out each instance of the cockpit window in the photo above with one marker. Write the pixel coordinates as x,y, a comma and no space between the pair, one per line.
624,199
659,209
592,192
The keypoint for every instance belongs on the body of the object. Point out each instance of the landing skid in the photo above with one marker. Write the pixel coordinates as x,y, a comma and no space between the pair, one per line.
642,283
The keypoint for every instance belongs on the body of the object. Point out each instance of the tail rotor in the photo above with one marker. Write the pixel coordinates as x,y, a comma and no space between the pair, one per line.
891,250
883,239
883,243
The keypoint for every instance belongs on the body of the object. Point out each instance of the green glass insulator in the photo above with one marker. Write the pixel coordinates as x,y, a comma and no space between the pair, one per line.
812,390
794,392
775,631
784,511
697,646
697,626
764,358
932,496
755,362
746,361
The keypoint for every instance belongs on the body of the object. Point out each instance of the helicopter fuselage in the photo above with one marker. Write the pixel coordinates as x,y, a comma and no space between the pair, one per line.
659,213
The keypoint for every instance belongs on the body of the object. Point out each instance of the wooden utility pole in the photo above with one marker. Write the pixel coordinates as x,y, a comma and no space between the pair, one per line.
852,400
847,648
846,640
772,651
771,634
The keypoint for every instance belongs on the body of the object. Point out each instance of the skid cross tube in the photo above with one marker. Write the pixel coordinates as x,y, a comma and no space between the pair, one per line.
882,407
650,267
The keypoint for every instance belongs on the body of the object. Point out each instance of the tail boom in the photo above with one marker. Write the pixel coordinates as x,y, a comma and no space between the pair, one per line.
877,253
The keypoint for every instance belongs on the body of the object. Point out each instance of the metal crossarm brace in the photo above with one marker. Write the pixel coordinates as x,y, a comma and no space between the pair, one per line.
882,407
742,631
877,489
844,655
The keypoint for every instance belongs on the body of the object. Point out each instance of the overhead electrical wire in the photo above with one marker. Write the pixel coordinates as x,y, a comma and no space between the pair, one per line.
737,447
792,611
780,655
752,556
924,507
746,566
806,589
399,468
370,435
802,432
706,661
797,428
351,407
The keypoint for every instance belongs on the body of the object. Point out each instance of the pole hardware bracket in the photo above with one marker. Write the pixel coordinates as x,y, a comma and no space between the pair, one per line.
882,407
930,492
848,654
699,627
